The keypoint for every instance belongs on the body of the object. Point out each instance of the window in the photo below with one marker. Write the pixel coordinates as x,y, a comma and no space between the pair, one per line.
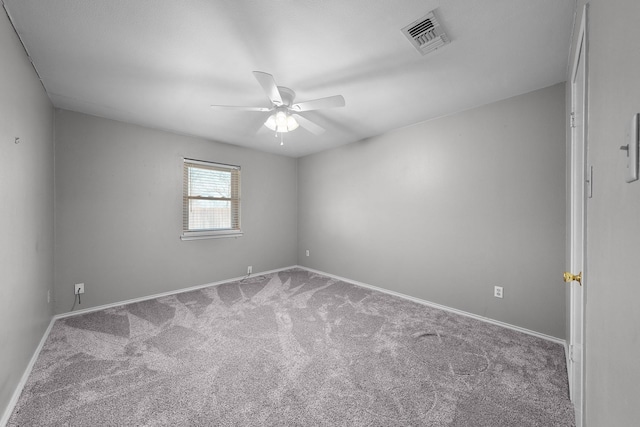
211,200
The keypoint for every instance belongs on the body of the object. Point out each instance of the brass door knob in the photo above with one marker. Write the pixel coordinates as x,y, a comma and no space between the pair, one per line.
568,277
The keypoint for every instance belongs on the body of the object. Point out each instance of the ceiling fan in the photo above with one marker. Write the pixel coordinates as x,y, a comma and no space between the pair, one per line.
285,117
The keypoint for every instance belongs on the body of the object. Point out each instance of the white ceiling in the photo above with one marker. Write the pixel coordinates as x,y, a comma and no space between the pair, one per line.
161,63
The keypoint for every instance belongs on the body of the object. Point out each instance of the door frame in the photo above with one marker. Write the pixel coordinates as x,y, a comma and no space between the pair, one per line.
577,317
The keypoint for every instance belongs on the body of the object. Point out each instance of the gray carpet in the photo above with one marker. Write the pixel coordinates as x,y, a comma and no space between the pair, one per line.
291,349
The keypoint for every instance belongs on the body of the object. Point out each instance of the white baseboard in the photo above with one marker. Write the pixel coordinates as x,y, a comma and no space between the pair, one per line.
354,282
164,294
443,307
25,376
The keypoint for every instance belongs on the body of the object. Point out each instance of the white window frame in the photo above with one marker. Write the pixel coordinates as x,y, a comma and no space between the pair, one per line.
235,230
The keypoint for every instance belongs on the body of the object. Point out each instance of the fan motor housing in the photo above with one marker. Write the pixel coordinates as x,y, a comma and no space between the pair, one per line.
287,95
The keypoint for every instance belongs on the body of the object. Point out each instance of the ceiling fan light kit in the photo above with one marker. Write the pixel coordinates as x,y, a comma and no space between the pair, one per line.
281,122
285,115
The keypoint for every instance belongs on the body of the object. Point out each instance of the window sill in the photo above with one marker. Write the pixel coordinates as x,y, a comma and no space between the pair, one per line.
200,235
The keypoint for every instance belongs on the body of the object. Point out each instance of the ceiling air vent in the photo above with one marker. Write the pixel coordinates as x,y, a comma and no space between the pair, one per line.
426,34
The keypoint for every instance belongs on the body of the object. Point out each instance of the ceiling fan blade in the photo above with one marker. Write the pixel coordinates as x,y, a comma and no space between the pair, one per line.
308,124
269,85
239,108
317,104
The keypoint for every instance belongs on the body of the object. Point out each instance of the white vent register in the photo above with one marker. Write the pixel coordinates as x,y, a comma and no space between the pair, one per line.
426,34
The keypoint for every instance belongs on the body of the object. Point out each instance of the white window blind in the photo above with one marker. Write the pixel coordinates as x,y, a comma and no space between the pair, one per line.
211,200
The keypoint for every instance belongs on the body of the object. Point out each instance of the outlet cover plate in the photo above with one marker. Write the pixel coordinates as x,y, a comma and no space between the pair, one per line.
497,291
78,288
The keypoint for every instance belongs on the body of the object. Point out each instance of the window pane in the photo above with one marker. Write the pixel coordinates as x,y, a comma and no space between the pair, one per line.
209,183
209,214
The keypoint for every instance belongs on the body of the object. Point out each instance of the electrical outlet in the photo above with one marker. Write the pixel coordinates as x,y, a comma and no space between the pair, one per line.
497,291
78,288
249,270
307,252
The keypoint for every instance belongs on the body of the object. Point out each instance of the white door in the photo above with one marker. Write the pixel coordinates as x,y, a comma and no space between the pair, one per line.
578,196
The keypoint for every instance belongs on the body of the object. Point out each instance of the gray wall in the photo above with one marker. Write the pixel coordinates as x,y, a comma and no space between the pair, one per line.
446,209
613,218
119,212
26,211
